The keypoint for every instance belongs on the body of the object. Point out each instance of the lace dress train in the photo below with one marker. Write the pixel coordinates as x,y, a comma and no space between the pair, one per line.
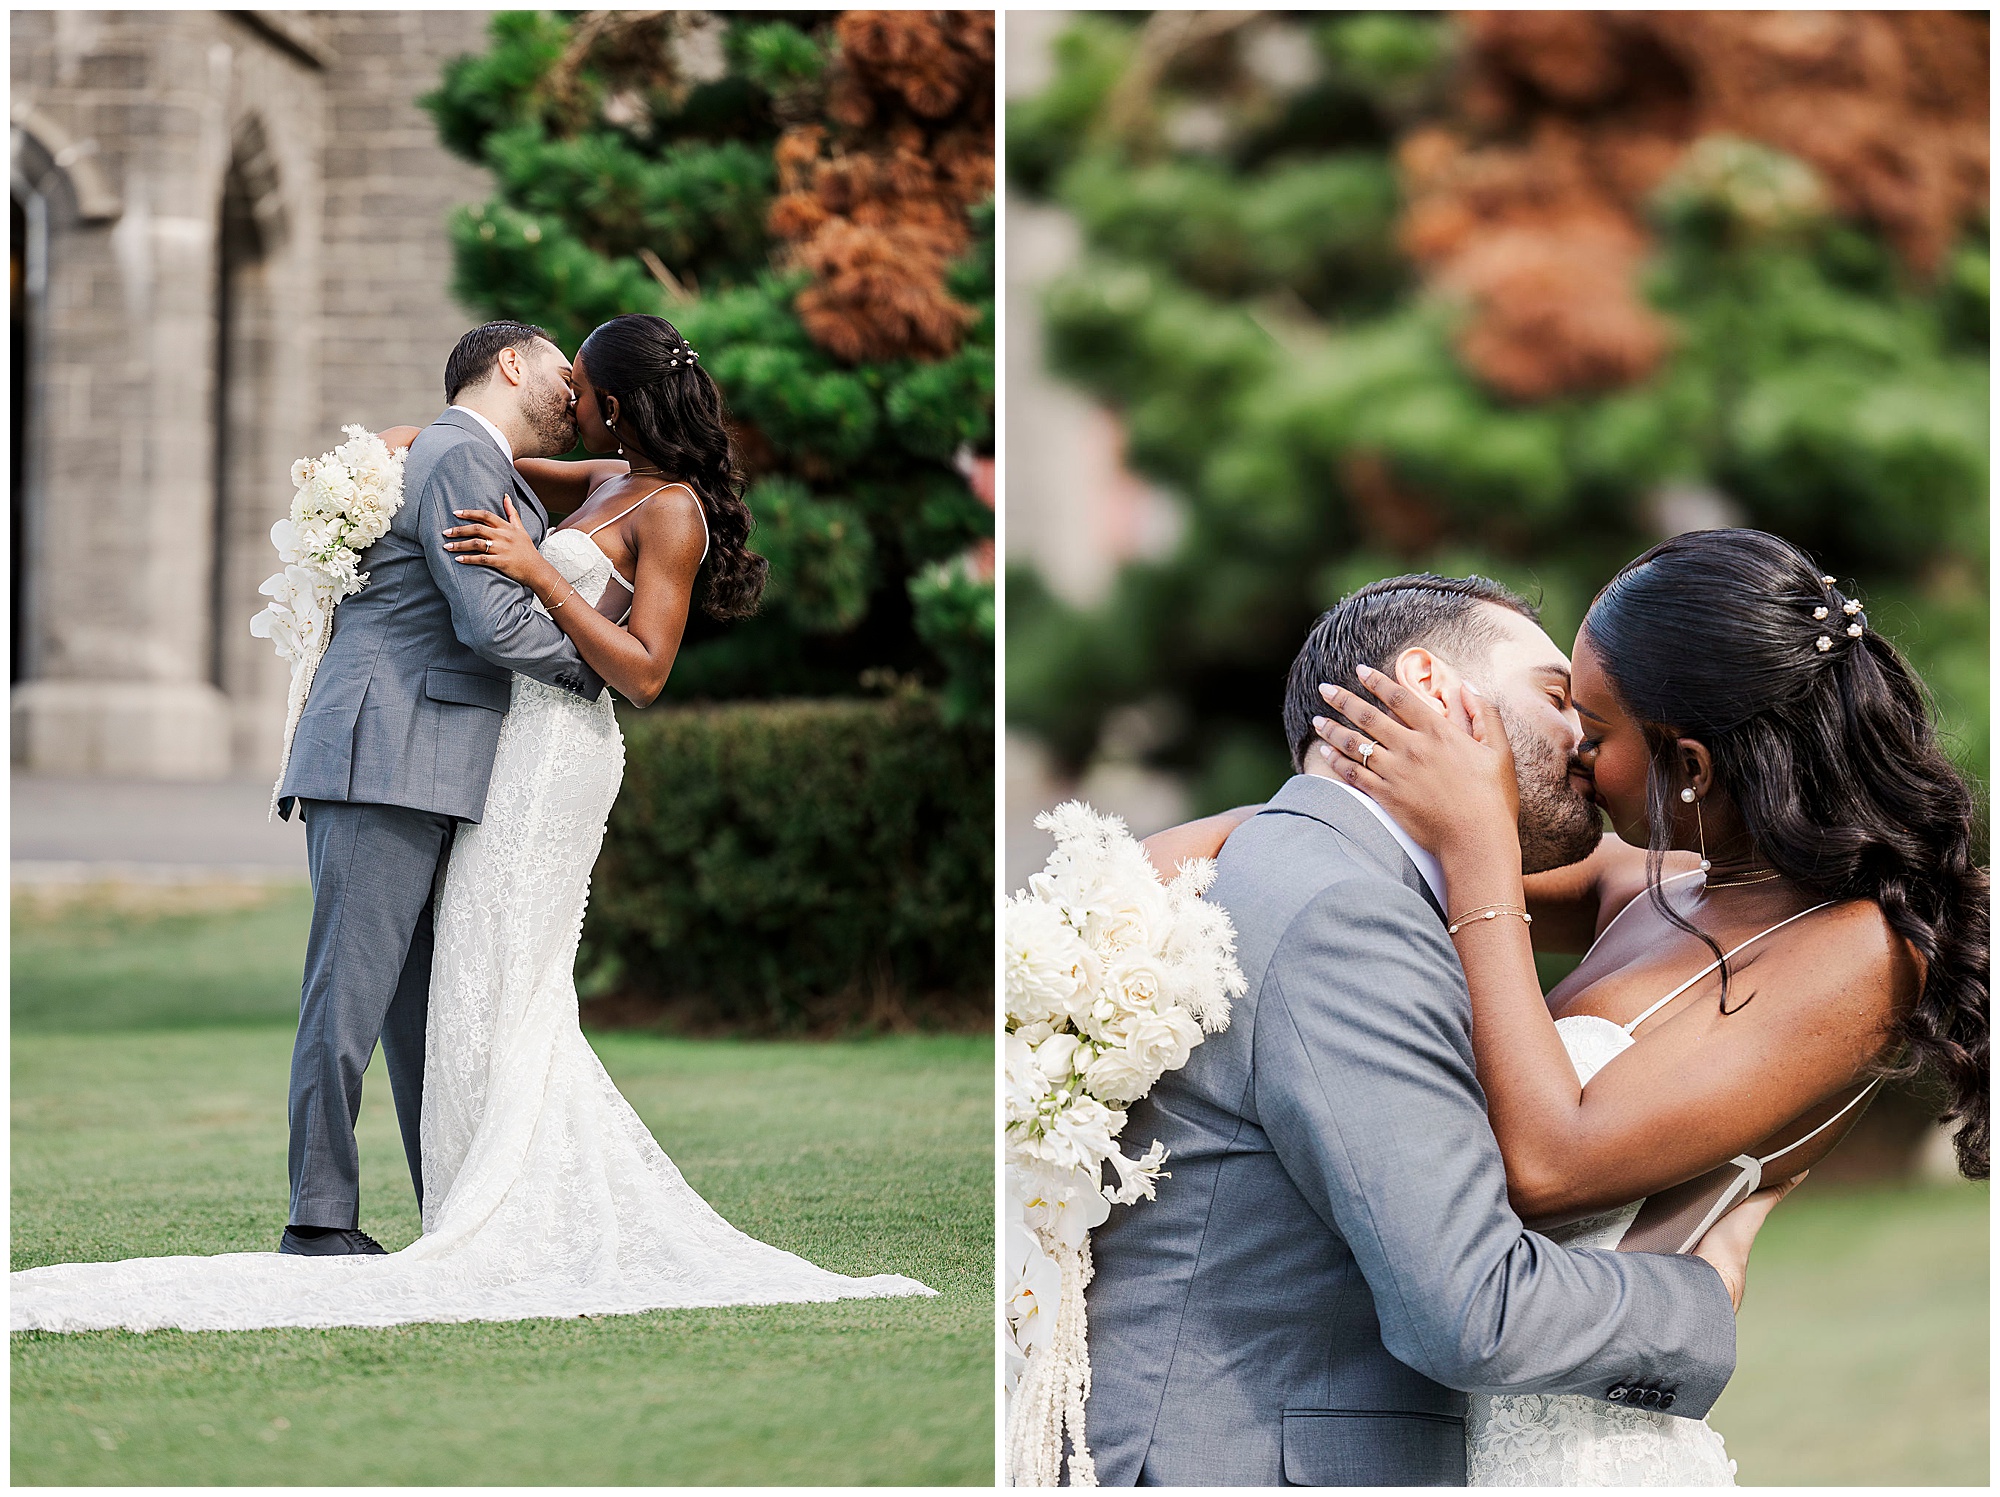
546,1195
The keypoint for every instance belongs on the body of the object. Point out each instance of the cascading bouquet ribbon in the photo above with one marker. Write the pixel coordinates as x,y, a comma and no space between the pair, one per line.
343,504
1112,979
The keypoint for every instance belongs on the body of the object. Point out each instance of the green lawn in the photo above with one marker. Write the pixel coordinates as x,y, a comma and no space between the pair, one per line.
1862,1348
136,1137
141,959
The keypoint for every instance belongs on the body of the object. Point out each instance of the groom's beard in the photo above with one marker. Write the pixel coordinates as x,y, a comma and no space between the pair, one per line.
1558,826
550,416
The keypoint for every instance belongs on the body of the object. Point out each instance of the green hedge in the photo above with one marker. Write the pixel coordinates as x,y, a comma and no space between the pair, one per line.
823,865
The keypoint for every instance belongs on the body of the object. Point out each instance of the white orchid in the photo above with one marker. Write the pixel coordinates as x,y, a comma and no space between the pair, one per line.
1033,1293
1061,1206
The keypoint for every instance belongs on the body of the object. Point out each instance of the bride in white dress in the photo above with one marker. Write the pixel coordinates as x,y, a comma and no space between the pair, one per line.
545,1194
1789,912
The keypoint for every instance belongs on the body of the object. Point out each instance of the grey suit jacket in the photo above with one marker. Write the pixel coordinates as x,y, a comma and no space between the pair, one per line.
1334,1259
406,704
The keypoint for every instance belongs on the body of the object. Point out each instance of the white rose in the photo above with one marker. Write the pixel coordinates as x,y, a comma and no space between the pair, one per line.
1163,1041
1134,921
1138,976
1117,1075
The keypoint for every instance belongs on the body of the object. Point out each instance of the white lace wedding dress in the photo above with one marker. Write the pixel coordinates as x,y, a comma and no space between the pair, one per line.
545,1194
1562,1440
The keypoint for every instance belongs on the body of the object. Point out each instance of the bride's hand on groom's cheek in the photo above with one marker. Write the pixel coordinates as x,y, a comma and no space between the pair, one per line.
1440,781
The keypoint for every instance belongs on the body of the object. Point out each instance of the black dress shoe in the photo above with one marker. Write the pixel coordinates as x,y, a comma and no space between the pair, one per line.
334,1242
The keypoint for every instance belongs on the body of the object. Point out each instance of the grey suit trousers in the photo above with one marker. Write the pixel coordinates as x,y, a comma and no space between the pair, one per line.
376,871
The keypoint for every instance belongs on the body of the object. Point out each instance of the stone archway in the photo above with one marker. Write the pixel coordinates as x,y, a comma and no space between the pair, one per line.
53,177
250,229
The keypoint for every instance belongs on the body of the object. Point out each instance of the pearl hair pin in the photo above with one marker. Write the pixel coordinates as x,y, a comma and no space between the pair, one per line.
1850,607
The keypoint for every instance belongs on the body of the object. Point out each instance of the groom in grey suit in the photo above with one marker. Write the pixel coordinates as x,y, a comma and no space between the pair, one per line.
1334,1263
395,748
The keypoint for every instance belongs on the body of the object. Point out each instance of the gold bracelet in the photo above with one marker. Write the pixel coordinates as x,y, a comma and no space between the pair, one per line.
1498,904
1491,912
571,594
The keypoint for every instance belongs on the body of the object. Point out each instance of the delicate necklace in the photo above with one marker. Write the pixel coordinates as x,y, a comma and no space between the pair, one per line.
1742,880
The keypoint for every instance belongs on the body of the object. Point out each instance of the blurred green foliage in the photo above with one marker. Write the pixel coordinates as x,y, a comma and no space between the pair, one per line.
1242,304
603,154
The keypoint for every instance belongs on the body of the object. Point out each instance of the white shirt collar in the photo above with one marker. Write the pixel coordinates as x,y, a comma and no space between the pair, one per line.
1428,866
498,435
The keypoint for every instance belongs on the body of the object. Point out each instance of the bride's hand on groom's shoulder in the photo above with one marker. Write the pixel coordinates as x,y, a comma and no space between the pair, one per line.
1442,777
484,539
396,438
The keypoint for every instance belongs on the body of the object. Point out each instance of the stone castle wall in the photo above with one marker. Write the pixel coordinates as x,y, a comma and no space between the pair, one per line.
235,241
389,318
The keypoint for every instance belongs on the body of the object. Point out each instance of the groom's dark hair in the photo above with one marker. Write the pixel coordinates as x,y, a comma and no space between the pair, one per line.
472,361
1374,624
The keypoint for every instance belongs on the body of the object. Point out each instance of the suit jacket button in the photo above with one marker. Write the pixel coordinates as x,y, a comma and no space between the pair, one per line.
1652,1398
1617,1394
1666,1401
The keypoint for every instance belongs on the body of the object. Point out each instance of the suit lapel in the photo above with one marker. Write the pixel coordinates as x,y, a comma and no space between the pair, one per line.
533,516
1324,801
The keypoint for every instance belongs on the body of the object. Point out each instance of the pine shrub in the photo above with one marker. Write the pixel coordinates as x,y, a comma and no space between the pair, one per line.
1385,292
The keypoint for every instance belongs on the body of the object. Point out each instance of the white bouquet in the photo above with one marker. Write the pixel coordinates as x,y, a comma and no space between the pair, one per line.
1112,978
343,504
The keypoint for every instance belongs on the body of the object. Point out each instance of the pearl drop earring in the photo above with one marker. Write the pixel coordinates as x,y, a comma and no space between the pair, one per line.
1701,832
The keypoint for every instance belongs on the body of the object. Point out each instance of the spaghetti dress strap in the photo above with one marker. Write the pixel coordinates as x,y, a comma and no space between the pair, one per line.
629,508
1750,1171
1628,1028
630,589
1691,873
1749,1168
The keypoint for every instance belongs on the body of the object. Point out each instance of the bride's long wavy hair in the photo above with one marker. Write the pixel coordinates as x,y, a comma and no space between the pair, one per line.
1831,757
670,410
